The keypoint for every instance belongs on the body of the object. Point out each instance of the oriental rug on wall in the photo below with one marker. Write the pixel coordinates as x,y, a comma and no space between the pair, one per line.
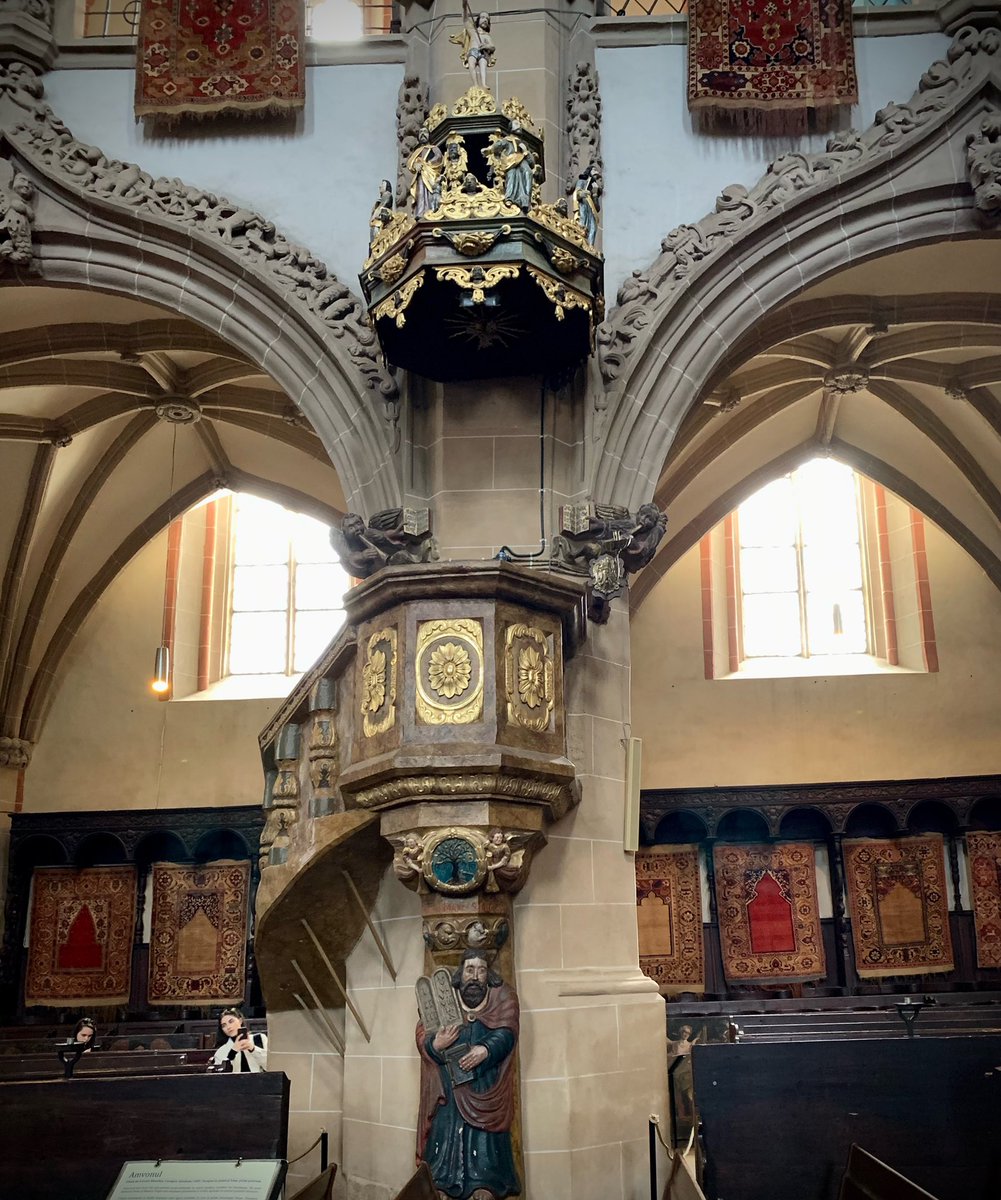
82,928
763,67
769,912
984,851
198,938
899,905
212,56
669,915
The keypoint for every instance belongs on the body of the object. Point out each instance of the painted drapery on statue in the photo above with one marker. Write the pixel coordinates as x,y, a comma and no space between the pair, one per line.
197,951
82,928
985,878
669,916
899,905
200,56
769,913
763,67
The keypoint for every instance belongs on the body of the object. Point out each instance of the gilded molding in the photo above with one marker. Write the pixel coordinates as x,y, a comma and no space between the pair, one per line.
515,111
473,241
478,280
397,227
378,682
551,217
395,306
449,671
559,796
473,206
528,677
477,102
559,295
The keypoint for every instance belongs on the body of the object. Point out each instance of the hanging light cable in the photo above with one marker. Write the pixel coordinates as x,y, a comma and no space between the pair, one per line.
160,683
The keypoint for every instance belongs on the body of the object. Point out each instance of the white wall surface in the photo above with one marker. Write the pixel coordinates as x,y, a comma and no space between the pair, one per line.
660,174
317,179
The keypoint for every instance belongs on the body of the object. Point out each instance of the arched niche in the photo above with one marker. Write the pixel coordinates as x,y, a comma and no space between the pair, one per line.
742,825
679,828
986,814
805,825
40,851
220,844
100,849
932,816
871,821
160,845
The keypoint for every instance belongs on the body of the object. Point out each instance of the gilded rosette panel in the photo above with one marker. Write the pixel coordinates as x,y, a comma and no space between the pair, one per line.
377,683
449,670
529,677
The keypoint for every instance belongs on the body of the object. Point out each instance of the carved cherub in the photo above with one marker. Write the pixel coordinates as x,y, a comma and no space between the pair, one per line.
16,216
408,862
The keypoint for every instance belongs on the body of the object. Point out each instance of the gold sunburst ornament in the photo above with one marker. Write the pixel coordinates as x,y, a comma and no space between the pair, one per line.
449,671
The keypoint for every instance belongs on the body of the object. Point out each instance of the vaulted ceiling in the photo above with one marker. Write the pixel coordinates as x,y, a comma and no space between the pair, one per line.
893,366
116,416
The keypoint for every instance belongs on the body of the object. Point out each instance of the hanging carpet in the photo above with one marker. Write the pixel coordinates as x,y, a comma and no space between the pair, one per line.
769,912
762,67
899,905
212,56
985,878
197,946
669,915
82,926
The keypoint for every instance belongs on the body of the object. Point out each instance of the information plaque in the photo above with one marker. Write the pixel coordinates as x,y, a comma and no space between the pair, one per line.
242,1179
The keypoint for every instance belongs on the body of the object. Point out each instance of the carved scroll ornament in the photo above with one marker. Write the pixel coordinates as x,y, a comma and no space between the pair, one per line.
648,291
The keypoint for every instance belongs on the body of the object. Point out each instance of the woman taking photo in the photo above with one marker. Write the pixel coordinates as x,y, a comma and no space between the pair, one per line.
242,1050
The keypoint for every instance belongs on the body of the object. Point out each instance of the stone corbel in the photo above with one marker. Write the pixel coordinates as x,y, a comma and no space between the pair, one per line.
15,752
983,168
26,32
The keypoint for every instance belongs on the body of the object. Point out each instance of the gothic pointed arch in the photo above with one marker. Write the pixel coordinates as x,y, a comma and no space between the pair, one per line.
85,220
920,174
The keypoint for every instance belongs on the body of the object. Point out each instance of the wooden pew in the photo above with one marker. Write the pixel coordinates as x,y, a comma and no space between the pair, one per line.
778,1119
69,1138
96,1063
866,1178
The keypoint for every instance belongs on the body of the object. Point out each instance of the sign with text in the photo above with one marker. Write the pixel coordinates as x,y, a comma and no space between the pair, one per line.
246,1179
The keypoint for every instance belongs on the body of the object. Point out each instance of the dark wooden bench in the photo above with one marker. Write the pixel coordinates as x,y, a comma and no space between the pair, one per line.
866,1178
120,1063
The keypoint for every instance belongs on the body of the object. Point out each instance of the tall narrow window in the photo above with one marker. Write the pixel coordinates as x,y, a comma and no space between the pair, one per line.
286,592
801,566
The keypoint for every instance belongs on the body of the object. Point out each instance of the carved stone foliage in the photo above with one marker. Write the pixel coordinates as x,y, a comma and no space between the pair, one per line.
17,215
983,165
411,113
846,381
528,677
606,545
391,538
15,752
306,281
584,126
458,932
449,670
378,683
458,860
647,291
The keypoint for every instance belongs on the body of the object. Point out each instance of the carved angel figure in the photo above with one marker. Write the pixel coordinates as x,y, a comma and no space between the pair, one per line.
382,211
387,540
17,214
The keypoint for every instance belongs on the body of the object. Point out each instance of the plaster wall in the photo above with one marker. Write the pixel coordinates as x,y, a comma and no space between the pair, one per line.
659,173
701,733
315,176
108,743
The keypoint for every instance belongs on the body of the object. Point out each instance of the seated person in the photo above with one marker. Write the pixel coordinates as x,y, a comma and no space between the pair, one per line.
84,1031
242,1050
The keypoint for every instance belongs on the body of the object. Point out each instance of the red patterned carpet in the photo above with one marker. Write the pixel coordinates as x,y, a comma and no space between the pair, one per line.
669,914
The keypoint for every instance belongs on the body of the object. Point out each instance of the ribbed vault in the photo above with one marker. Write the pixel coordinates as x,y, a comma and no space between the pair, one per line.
873,367
114,418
